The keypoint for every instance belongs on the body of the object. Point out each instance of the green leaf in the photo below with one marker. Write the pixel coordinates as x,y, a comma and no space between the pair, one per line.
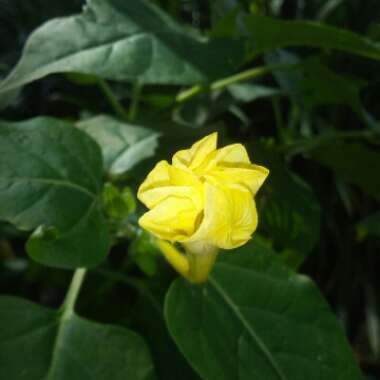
224,19
9,98
287,79
289,212
269,33
353,162
248,92
50,177
320,86
123,41
53,346
123,145
255,319
118,203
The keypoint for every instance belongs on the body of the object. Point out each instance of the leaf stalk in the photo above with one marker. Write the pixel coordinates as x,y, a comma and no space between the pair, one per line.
68,304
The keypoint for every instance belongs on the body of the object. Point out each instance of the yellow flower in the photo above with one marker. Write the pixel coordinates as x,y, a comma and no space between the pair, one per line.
204,198
206,194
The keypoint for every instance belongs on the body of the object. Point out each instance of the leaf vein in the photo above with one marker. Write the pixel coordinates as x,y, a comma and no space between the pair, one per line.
260,343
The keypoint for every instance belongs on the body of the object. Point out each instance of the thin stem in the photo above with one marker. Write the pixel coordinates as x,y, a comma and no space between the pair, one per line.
176,259
113,101
185,95
225,82
135,101
73,292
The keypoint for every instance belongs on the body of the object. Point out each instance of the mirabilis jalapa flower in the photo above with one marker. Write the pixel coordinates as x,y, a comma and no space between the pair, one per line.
204,199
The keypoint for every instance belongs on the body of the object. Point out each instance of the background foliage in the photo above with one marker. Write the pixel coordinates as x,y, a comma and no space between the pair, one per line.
92,95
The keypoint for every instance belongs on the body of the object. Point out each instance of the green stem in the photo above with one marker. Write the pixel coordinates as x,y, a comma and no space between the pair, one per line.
225,82
73,292
113,101
135,100
185,95
201,258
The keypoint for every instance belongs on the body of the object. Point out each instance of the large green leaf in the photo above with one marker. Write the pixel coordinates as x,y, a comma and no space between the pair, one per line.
123,145
255,319
353,162
124,41
269,33
38,343
50,178
290,213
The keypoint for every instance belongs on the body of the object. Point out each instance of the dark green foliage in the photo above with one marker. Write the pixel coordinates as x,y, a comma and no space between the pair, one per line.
53,185
275,324
94,93
55,346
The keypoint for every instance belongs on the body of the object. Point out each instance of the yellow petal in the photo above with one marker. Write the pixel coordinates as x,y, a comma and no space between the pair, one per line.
244,217
205,196
231,166
164,181
251,177
151,198
194,157
230,216
232,154
173,219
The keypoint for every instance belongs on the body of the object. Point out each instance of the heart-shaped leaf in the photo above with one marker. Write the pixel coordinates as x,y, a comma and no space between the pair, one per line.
55,346
255,319
50,180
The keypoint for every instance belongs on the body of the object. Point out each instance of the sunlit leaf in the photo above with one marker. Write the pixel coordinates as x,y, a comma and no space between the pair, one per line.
124,41
123,145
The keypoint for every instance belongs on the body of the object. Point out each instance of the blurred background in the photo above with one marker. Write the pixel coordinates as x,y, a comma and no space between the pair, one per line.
317,129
